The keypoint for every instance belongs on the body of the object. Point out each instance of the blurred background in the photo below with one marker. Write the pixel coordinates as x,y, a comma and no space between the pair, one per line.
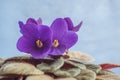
99,35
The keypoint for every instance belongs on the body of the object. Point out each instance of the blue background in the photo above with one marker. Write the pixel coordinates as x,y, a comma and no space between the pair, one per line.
99,36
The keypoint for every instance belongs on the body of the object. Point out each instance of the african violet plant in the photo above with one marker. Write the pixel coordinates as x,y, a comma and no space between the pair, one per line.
41,40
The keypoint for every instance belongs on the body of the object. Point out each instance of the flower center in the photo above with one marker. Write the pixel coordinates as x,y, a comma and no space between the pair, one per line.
39,43
55,43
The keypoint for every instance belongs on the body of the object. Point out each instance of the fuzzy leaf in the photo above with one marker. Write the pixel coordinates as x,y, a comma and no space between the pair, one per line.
106,66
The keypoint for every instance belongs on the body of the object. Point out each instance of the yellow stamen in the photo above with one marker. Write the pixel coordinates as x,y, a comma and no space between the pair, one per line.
39,43
55,43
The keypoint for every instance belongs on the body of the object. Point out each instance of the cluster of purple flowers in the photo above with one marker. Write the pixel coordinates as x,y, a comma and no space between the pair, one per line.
41,41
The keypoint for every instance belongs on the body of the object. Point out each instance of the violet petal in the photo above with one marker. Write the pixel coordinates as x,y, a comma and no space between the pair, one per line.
39,54
59,27
30,30
69,23
31,21
57,50
39,21
25,45
76,28
69,39
21,24
44,33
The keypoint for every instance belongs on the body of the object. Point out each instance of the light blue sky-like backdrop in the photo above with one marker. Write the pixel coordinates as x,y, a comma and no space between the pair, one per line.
99,36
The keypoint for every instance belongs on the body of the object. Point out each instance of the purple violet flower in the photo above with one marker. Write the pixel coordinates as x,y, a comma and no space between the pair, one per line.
36,39
30,21
71,26
63,39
